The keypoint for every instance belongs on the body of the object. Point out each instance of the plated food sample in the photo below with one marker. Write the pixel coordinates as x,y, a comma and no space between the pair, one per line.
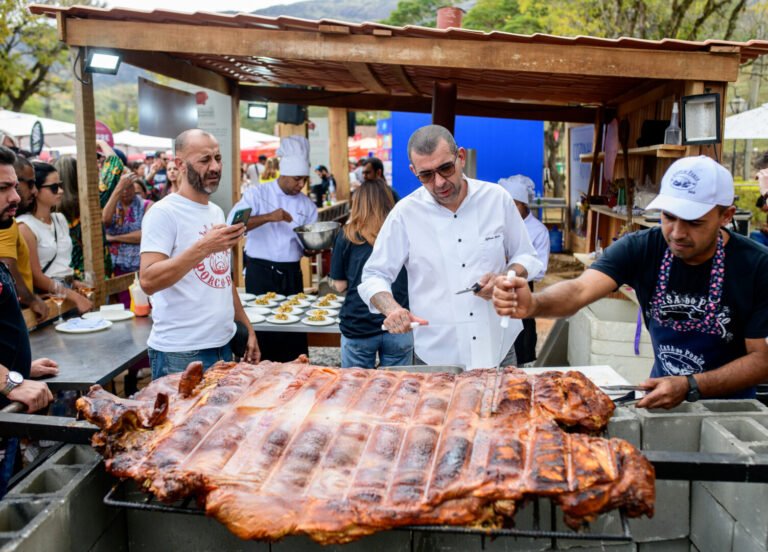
282,318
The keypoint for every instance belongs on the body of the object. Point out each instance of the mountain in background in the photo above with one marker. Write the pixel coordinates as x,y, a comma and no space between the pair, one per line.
345,10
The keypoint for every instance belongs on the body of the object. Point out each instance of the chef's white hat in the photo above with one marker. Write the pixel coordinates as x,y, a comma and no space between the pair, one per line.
294,156
520,187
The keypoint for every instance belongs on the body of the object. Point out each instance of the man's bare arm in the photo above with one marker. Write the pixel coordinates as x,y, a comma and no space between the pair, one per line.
25,295
385,303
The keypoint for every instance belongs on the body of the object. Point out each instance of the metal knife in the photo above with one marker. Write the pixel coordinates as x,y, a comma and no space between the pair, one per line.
474,288
504,325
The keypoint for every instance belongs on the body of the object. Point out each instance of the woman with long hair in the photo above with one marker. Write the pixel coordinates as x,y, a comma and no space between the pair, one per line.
172,173
271,171
47,235
70,208
361,334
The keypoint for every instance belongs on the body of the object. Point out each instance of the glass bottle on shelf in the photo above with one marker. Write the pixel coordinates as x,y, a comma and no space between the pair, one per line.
673,134
599,248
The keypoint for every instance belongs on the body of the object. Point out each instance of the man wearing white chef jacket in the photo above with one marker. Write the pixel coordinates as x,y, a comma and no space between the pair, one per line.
272,250
450,234
521,189
701,288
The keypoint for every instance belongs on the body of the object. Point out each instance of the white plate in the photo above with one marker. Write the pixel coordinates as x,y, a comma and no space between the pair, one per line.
301,303
291,319
246,296
328,312
330,305
269,304
339,298
112,315
294,312
277,296
327,322
66,327
254,317
266,311
307,297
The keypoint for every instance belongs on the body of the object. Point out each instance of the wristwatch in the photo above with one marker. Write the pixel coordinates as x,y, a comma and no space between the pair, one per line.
693,393
12,381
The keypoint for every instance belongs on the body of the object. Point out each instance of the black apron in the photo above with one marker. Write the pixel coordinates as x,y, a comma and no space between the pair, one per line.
262,276
525,344
688,339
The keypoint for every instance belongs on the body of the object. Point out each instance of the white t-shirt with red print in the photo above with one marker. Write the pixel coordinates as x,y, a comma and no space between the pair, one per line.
197,311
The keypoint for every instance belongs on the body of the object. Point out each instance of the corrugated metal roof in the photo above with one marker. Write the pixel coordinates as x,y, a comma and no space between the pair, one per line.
749,50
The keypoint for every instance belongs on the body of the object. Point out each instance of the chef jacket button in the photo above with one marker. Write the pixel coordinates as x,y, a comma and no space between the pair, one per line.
459,240
463,265
471,314
455,216
473,337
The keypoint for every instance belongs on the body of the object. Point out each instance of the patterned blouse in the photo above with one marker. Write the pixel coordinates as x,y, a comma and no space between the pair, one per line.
110,174
125,256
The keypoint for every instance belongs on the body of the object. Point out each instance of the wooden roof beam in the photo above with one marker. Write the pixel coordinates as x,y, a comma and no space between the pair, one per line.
178,69
364,75
399,73
415,104
491,55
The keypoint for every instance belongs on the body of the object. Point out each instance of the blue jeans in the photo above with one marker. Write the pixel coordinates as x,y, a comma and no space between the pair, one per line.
393,349
163,364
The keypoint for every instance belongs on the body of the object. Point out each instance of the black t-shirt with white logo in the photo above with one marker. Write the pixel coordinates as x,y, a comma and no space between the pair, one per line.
15,353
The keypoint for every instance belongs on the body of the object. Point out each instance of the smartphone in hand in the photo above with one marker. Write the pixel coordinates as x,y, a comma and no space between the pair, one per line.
242,216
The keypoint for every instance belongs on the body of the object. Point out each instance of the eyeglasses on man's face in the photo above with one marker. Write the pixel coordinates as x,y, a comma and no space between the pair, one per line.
445,170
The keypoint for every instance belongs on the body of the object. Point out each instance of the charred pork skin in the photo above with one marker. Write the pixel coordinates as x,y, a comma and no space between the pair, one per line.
285,449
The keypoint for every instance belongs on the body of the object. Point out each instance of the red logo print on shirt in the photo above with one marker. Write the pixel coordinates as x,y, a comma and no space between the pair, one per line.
214,271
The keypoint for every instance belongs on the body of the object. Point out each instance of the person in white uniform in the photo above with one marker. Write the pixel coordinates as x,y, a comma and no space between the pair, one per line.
521,189
449,234
272,250
186,266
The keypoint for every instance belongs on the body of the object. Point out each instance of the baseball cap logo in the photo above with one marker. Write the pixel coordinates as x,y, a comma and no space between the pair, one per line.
684,181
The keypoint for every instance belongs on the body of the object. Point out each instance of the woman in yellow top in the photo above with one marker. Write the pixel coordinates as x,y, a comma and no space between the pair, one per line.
271,171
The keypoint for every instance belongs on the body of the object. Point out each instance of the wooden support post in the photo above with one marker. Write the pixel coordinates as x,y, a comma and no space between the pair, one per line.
444,105
594,177
339,150
237,253
88,176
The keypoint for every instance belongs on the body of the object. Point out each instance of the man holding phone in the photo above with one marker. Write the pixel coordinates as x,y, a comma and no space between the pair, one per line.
272,250
186,266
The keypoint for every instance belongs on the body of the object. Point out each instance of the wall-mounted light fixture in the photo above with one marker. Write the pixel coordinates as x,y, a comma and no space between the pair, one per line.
258,110
102,61
701,119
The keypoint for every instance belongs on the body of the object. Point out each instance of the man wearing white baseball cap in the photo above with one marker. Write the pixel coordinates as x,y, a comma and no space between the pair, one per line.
703,290
521,188
272,252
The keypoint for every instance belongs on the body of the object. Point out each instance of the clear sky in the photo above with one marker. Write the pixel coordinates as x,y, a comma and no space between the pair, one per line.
197,5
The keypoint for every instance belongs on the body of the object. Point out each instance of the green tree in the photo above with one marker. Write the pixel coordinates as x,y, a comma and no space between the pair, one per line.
417,12
30,51
649,19
505,15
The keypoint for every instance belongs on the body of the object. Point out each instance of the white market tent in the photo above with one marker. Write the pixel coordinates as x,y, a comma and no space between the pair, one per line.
251,139
57,133
127,140
750,125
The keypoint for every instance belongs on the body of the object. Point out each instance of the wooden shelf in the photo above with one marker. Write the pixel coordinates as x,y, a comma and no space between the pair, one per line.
639,220
664,151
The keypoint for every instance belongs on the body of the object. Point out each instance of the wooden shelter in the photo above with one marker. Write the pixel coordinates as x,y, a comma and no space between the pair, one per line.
368,66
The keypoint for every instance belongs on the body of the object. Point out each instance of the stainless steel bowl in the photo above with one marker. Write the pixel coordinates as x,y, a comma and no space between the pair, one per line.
319,235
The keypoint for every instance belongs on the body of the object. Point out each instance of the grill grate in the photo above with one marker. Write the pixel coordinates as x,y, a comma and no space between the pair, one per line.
127,494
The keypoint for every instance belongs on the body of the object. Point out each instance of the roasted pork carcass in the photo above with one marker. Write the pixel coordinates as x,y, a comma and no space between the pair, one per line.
280,449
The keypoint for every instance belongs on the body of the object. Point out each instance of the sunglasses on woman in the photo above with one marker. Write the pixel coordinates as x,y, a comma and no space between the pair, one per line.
55,187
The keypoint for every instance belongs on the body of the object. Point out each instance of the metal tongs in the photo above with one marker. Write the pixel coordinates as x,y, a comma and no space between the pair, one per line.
628,398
